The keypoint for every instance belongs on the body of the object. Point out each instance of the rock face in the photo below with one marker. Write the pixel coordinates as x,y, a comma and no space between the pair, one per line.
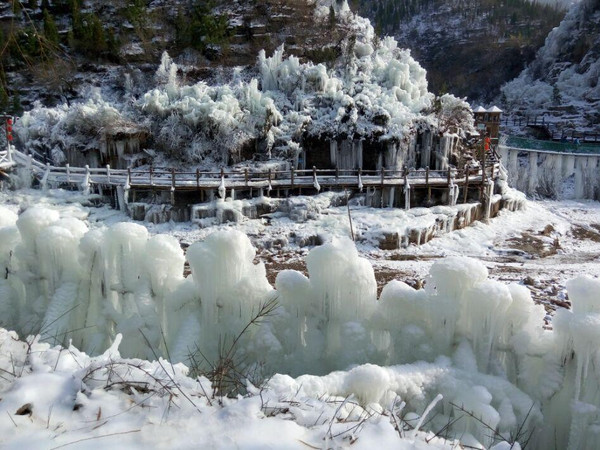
563,78
85,42
469,48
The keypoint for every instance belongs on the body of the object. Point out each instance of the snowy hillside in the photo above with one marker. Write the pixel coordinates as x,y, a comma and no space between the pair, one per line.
563,81
469,48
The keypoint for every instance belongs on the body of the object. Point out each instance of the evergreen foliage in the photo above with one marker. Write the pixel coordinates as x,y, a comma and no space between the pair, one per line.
50,30
200,28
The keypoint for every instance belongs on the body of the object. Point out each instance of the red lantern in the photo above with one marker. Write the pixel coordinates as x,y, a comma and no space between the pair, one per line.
9,129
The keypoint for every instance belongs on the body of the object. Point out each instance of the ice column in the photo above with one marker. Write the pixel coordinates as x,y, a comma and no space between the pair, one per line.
533,173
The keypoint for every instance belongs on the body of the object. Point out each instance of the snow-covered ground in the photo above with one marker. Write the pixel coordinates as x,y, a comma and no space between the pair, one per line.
54,397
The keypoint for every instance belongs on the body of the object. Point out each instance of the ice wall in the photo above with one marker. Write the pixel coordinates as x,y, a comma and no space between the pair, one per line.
554,175
478,342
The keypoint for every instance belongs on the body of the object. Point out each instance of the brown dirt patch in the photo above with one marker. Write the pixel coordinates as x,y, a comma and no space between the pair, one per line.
275,263
534,246
583,233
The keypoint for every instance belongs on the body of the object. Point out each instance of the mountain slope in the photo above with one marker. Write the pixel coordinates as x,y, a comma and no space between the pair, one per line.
468,47
563,80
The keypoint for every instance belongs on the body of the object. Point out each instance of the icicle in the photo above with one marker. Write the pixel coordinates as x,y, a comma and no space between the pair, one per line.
407,189
359,154
489,191
333,149
513,167
452,193
579,177
533,173
222,190
360,183
44,181
425,413
126,188
85,186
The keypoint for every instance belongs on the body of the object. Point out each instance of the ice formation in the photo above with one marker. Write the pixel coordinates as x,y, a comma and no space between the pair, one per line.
552,174
375,90
477,342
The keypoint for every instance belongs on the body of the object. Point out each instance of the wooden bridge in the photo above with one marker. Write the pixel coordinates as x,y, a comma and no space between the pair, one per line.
269,182
552,130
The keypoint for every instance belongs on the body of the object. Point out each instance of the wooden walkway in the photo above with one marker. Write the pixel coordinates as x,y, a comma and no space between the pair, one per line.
172,180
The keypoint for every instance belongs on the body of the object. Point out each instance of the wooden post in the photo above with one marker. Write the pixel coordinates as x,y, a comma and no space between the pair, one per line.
68,172
151,176
337,173
246,176
129,175
173,179
292,176
197,178
108,173
483,157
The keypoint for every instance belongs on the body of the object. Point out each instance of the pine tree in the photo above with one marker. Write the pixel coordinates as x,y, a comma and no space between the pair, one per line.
50,30
16,107
3,99
556,97
331,16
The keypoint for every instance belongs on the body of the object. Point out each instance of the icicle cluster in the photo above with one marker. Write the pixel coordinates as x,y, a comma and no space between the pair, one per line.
483,341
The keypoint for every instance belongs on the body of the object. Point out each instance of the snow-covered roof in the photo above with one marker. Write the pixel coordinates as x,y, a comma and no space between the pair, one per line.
481,109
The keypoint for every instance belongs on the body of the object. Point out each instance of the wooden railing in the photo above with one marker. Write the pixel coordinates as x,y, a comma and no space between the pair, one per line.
556,129
169,178
6,159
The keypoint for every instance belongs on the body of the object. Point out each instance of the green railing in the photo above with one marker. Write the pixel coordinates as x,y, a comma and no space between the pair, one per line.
552,146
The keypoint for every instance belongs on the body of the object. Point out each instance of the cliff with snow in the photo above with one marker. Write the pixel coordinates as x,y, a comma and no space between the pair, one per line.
563,80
